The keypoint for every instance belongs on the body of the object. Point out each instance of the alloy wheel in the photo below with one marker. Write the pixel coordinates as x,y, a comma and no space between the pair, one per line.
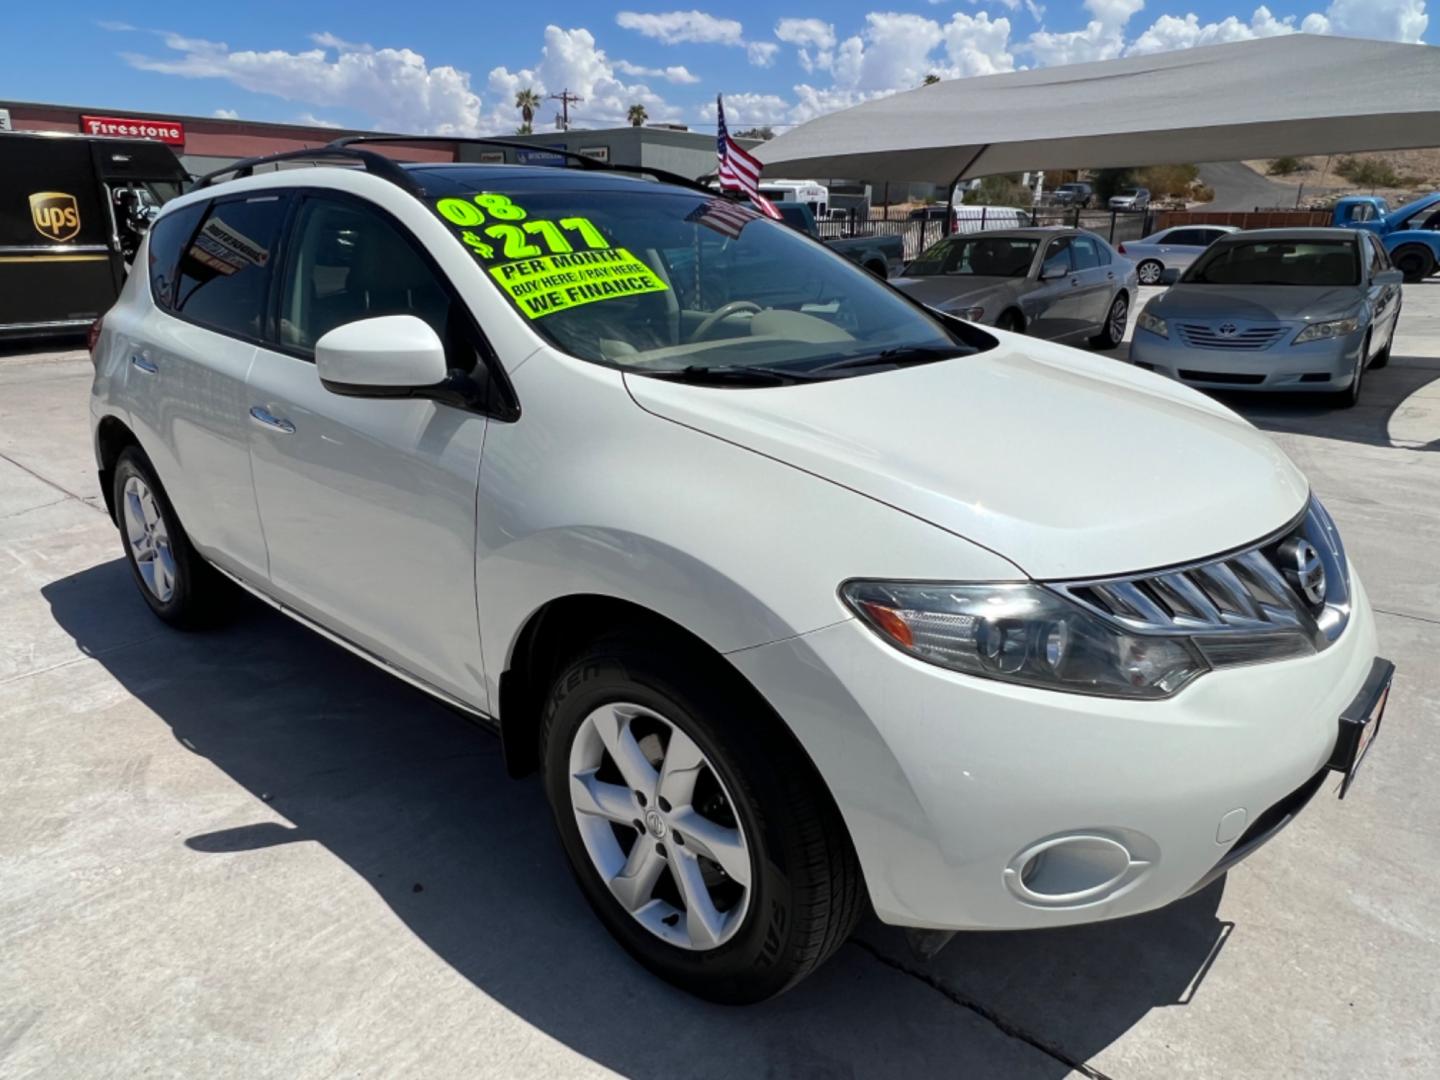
1119,315
659,826
149,540
1150,272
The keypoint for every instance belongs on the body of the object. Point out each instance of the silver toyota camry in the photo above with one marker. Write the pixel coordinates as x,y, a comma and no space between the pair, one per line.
1276,309
1061,284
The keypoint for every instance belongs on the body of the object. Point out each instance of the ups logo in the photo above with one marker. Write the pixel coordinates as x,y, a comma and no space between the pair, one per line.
55,215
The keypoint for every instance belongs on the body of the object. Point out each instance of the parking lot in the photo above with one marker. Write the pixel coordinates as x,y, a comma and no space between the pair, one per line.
247,853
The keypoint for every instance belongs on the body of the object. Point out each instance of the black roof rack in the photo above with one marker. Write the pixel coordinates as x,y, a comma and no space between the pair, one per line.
583,160
346,150
378,164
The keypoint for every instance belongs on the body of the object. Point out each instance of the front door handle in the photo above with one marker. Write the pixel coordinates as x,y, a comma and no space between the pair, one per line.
262,415
145,365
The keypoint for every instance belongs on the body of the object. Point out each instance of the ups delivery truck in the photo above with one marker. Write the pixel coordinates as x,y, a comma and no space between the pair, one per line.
73,209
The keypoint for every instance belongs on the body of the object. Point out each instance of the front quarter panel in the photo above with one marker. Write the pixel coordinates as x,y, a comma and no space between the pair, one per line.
588,494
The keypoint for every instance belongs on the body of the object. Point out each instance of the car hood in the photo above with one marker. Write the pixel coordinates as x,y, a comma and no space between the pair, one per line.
1258,303
1068,465
953,290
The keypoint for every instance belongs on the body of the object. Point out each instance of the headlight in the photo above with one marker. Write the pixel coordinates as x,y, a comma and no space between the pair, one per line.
1153,323
1324,331
974,314
1023,634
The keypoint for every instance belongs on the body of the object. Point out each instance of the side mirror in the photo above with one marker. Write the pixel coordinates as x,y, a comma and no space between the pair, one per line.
1169,276
1389,277
1055,268
388,356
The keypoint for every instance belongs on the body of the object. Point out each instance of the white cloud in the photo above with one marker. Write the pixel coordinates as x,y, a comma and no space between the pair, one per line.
225,114
977,46
892,52
1392,20
749,110
1171,32
309,119
394,86
114,26
674,27
675,74
761,53
570,60
1113,12
814,40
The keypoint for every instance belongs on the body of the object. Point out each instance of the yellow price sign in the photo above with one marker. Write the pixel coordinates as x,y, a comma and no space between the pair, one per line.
550,283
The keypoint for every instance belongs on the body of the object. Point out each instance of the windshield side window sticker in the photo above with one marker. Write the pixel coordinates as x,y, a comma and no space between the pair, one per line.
552,283
553,265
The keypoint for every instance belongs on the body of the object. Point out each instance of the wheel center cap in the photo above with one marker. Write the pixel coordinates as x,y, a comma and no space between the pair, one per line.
656,824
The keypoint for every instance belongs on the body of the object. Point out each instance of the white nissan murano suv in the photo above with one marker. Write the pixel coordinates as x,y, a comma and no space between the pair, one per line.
803,599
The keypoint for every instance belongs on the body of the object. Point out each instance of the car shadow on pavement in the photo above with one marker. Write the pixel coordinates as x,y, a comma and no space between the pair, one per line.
1399,407
414,799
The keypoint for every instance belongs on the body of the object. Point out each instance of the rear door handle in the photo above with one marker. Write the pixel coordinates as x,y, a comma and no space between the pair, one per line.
262,415
147,366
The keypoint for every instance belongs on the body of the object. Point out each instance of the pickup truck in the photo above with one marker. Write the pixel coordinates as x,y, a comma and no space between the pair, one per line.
1410,234
881,255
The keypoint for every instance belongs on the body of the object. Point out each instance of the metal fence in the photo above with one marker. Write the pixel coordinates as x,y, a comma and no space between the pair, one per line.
1116,226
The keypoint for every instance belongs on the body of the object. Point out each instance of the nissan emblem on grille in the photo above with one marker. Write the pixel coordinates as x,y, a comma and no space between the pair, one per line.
1300,562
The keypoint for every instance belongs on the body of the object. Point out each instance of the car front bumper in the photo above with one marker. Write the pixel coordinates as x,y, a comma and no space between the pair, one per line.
950,785
1315,366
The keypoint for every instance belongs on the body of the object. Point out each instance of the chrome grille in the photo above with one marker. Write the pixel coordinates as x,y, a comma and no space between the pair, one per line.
1240,595
1241,339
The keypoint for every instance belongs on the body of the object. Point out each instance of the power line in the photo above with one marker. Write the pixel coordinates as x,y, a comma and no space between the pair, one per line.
566,99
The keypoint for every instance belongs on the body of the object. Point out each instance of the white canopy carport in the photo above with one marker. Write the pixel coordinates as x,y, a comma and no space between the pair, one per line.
1297,94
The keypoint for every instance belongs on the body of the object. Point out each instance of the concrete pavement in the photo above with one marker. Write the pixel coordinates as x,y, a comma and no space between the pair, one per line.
246,853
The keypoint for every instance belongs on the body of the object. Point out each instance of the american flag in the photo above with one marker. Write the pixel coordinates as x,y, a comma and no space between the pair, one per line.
725,217
739,170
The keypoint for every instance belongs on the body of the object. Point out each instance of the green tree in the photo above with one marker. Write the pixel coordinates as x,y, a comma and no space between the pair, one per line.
1286,166
637,115
931,79
755,133
1000,191
527,101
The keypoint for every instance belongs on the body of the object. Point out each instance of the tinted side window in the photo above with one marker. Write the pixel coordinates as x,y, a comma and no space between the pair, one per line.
346,263
167,236
1085,254
1057,258
1188,238
225,272
1382,257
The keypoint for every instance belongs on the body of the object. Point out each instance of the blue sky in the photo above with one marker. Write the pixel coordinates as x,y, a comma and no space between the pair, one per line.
451,67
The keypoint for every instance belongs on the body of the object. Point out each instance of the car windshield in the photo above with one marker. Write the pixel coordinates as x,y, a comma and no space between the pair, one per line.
666,282
1277,262
977,256
1129,193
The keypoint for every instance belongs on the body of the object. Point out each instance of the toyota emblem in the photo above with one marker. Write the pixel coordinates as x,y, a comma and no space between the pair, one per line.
1228,329
1300,562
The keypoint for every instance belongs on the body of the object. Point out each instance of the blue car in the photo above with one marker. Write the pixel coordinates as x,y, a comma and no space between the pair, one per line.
1276,309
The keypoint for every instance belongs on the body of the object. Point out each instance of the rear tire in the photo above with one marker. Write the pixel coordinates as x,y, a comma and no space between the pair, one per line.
624,725
1012,321
180,587
1149,271
1415,262
1112,334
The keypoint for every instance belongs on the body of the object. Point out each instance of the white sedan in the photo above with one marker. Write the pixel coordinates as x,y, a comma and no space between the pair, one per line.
1171,249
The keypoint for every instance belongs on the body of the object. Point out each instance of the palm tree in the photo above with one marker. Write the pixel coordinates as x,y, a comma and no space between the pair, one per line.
527,101
637,116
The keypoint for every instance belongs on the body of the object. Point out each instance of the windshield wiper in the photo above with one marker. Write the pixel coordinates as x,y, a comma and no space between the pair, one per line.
900,356
732,374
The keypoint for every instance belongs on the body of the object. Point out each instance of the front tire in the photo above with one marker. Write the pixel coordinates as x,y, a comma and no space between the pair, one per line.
695,827
179,586
1350,396
1150,272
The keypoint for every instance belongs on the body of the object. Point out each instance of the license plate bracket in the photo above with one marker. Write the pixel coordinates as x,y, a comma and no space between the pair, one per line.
1360,722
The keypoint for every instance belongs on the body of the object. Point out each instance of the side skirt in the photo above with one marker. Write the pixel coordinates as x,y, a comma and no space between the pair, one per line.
484,719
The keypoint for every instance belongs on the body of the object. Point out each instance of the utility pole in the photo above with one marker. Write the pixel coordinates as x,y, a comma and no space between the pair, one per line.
566,99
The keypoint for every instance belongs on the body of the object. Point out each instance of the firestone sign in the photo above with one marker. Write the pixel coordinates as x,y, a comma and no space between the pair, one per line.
167,131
